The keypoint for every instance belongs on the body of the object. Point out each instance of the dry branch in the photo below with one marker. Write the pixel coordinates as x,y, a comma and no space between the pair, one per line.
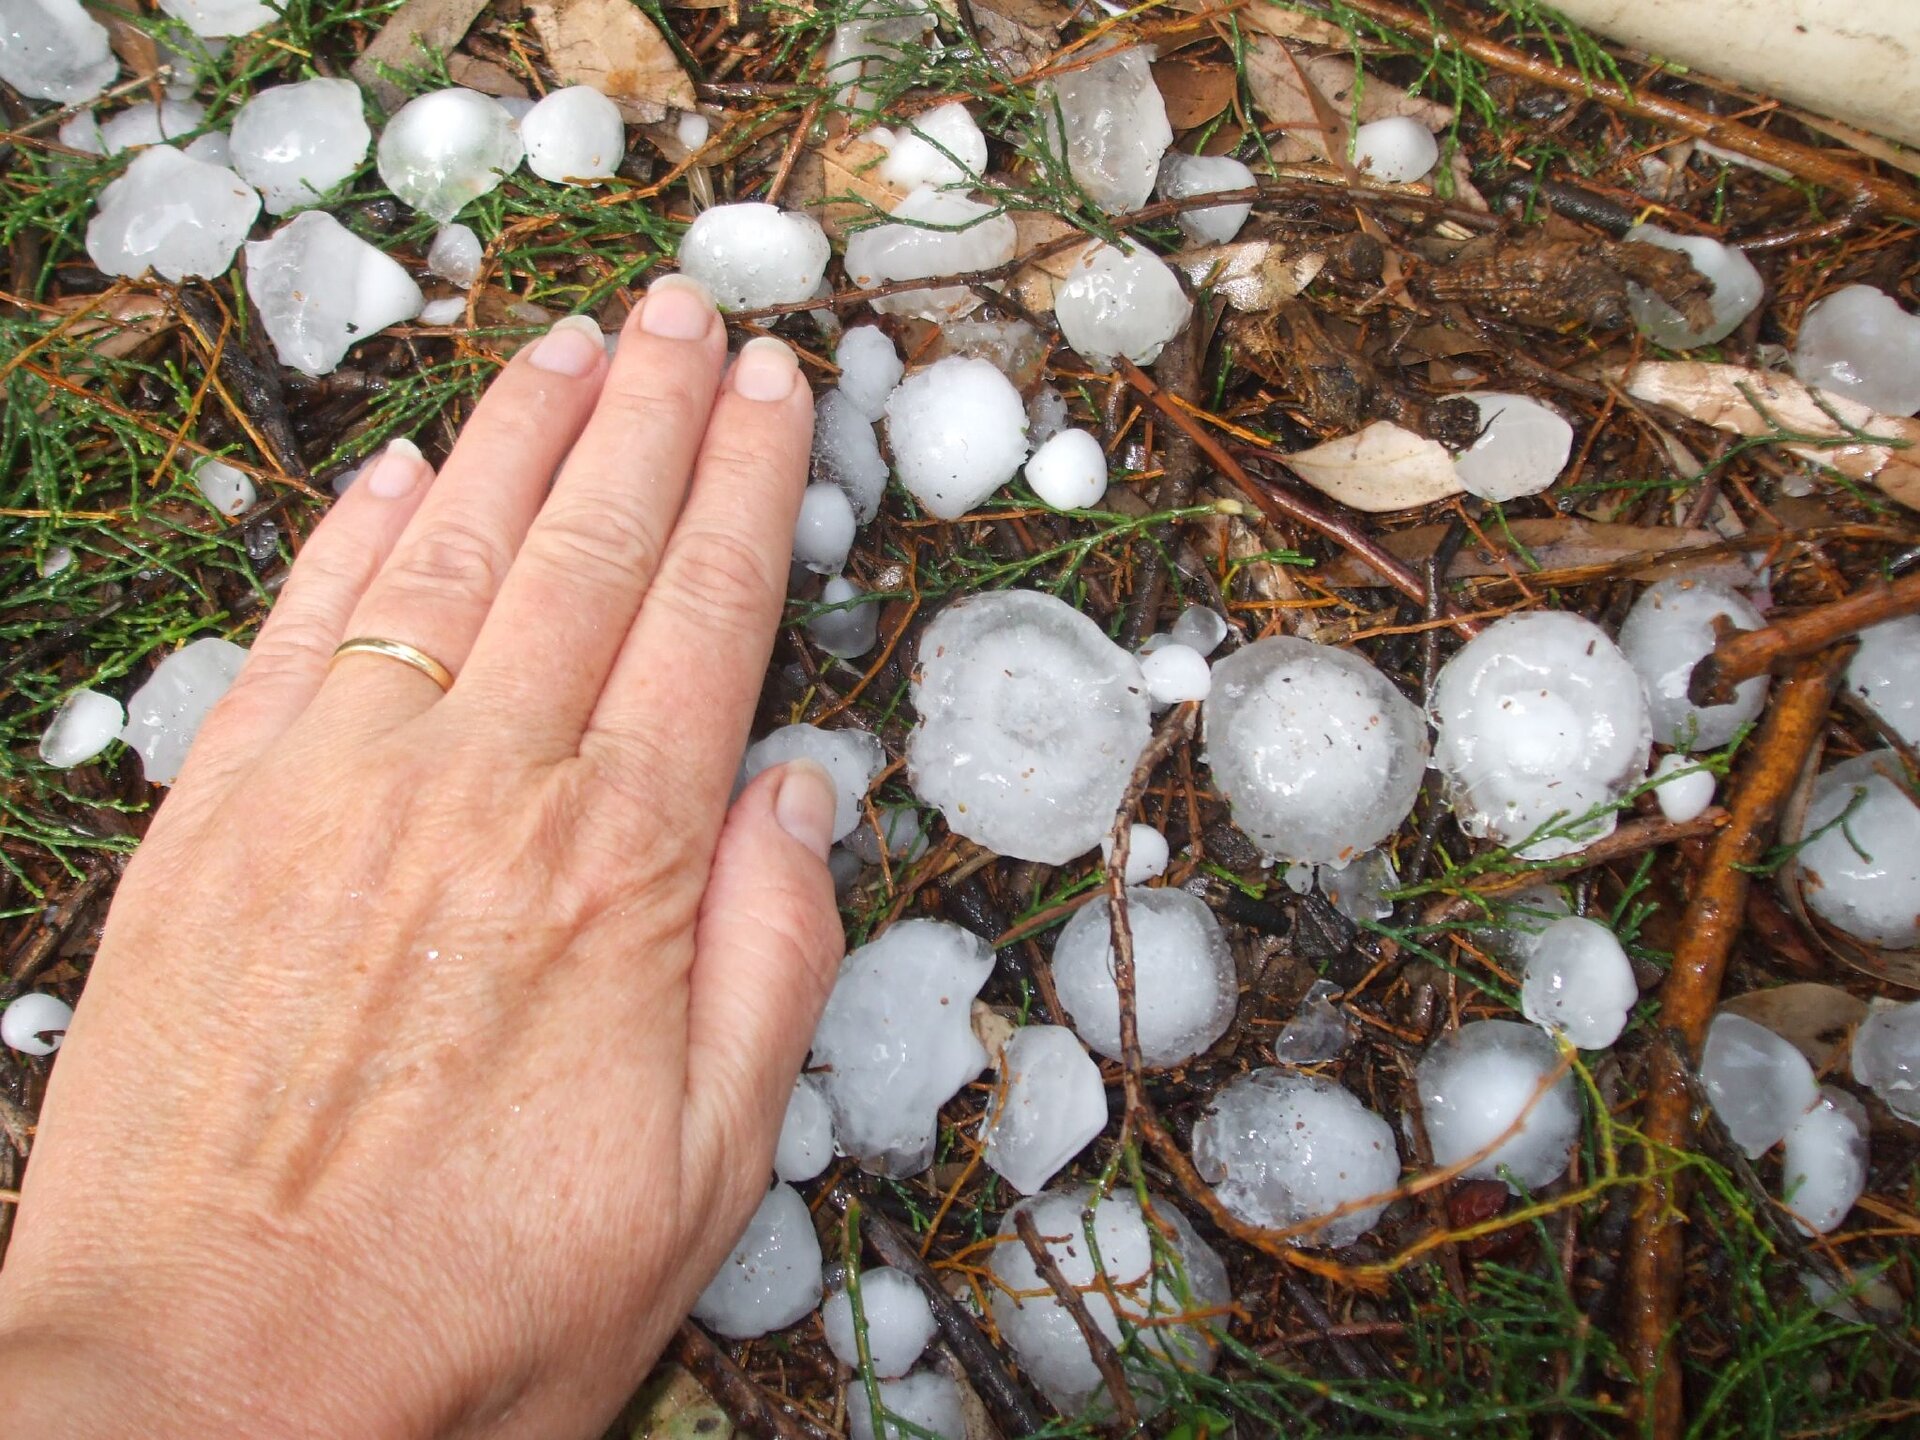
1743,654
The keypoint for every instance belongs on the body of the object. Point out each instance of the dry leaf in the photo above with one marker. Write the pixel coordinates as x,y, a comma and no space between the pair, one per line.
1026,29
613,46
1034,284
430,25
1557,545
1194,90
1381,468
1815,1019
487,76
1277,90
1252,276
825,176
116,326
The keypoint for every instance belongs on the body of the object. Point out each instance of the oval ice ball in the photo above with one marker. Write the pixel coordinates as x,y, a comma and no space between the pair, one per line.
1282,1150
1858,343
173,214
1486,1079
753,254
932,233
1521,449
899,1322
1886,1057
1682,786
1049,1105
166,713
227,489
1860,866
1669,631
54,50
848,631
84,725
444,149
771,1277
1757,1083
1885,674
1116,126
320,290
1541,723
851,757
958,432
927,1401
1200,628
1396,151
1737,289
1175,674
455,255
148,123
1183,976
35,1023
1579,982
941,146
1824,1169
823,531
1031,720
869,369
294,143
1069,471
574,136
1147,854
1120,300
1317,753
1184,176
805,1146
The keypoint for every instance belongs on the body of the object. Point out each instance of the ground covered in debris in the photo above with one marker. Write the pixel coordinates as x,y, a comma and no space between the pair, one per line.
1308,447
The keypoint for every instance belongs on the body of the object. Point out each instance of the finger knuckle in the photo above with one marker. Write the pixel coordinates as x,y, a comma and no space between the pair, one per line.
454,559
720,579
607,546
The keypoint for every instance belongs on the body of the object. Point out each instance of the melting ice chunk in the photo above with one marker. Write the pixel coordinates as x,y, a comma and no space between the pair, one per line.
1175,674
692,129
1682,786
846,632
54,50
1116,127
1317,1032
1147,854
1579,982
450,310
1069,471
846,453
1520,450
165,713
1397,150
771,1277
1736,292
852,757
1200,628
926,1401
906,836
1046,414
898,1319
446,148
754,254
1759,1084
227,489
1120,301
1670,629
958,432
1184,988
1859,343
1824,1169
321,289
1031,720
869,369
896,1041
1359,888
823,533
1886,1057
932,233
805,1147
84,725
294,143
1885,673
875,35
943,146
1318,754
1861,864
219,18
149,124
35,1023
1051,1105
574,135
171,213
1477,1084
455,255
1185,176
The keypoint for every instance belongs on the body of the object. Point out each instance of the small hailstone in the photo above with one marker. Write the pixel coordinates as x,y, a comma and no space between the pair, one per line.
574,135
227,489
1120,300
35,1023
805,1147
1521,448
294,143
54,50
1858,343
149,124
1046,414
1885,673
320,289
1579,982
846,453
944,146
1475,1084
1683,787
852,757
1116,127
448,311
219,18
1824,1169
1317,753
213,148
173,214
1184,988
899,1322
1541,720
1396,151
1758,1083
1201,628
165,713
958,432
869,369
771,1277
926,1401
1358,889
455,255
905,833
1184,176
848,632
754,254
692,129
1282,1149
969,236
845,867
1053,1104
1147,854
896,1041
823,534
1861,864
1175,674
81,131
1737,289
57,558
1671,628
84,725
1318,1032
1031,720
446,148
1069,471
1886,1057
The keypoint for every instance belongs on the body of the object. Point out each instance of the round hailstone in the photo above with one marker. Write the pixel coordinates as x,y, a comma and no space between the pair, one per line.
1859,343
1069,471
899,1322
852,757
1541,723
1397,150
1200,628
1116,127
905,832
850,630
1282,1150
294,143
1317,753
1184,176
692,129
227,489
1521,449
1860,867
846,453
1183,977
214,148
1050,1105
1120,301
823,533
869,369
172,214
215,19
1671,628
969,236
1031,720
1737,289
805,1146
151,124
944,146
320,290
446,148
958,432
450,310
54,50
1579,982
1147,854
1683,787
574,136
927,1401
1824,1169
1476,1085
1886,1057
1758,1083
455,255
771,1277
84,725
1045,1338
1175,674
165,713
35,1023
1885,673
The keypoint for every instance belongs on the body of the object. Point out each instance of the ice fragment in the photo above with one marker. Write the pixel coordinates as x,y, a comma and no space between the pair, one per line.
1886,1057
1396,150
1147,854
149,124
958,432
1120,301
446,148
869,369
1486,1079
849,631
450,310
1116,127
1758,1083
220,18
846,453
1069,471
84,725
805,1147
1824,1169
823,534
1737,289
574,135
753,254
296,142
852,757
54,50
1200,628
1858,343
1860,865
1579,982
1184,176
455,255
1520,450
899,1324
926,1400
771,1277
1668,632
171,213
1682,786
227,489
1885,673
941,146
165,713
35,1023
969,236
321,289
1175,674
1051,1105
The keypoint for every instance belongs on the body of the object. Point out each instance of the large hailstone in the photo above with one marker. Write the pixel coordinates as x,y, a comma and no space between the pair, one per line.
899,1322
294,143
1116,127
1520,449
1886,1057
1183,976
1120,300
970,236
771,1277
1671,629
166,713
1051,1350
1860,868
1885,674
1184,176
1758,1084
958,431
1541,723
851,758
1049,1105
1475,1085
574,135
1579,982
753,254
1735,294
1858,343
1824,1169
173,214
926,1400
446,148
896,1041
941,146
1282,1149
1317,753
1031,721
215,19
320,290
54,50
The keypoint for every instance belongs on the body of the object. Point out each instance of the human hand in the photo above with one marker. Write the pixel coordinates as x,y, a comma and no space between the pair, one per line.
436,1045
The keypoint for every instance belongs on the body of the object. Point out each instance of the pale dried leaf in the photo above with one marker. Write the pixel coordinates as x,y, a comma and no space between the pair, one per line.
1379,469
116,326
613,46
1277,90
487,76
1028,30
992,1030
1194,90
1275,20
839,184
418,26
1815,1019
1252,276
1034,284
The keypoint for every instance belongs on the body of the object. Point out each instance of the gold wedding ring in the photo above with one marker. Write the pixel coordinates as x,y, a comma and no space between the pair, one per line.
396,650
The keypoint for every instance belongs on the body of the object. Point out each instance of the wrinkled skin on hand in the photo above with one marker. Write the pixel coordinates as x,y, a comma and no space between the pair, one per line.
436,1046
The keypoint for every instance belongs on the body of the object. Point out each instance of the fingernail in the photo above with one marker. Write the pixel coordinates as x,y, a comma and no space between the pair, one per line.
677,307
766,369
574,346
397,471
805,805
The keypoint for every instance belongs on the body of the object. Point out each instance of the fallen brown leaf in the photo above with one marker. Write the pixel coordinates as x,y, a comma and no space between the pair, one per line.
839,185
1034,284
1379,469
1252,276
1194,90
613,46
1556,545
1026,29
418,26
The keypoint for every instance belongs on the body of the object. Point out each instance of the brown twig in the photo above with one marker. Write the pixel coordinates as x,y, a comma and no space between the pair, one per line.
1743,654
1179,371
1105,1358
746,1404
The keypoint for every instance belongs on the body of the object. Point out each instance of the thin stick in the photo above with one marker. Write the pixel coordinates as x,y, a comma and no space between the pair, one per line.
1743,654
